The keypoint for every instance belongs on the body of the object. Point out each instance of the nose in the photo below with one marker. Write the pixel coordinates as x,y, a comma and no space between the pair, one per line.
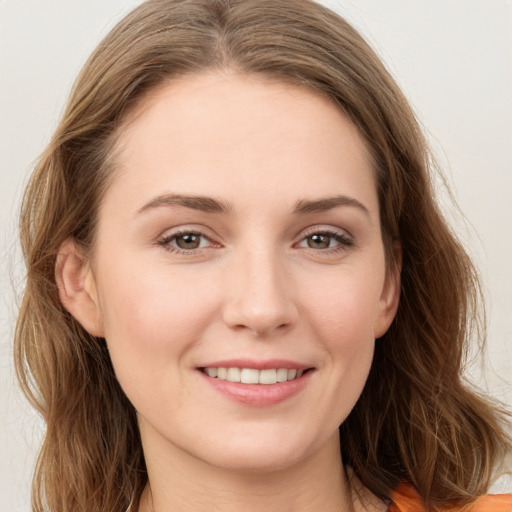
259,294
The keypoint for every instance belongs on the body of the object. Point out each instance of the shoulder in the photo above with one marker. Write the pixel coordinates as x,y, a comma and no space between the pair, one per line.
405,499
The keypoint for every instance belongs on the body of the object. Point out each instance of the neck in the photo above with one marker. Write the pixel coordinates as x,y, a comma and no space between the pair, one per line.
180,482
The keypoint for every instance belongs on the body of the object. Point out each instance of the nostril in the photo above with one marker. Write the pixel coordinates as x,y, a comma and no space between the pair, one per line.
260,326
258,300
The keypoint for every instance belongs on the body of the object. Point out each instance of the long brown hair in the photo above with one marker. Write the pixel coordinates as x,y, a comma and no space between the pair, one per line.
416,420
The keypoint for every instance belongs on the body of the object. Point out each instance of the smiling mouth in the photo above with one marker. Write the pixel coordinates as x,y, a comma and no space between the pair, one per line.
253,375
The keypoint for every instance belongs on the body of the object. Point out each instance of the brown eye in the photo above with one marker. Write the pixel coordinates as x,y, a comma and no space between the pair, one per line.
188,241
319,241
323,240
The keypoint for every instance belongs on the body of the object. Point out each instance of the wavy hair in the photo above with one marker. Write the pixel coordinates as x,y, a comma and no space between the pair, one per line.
416,421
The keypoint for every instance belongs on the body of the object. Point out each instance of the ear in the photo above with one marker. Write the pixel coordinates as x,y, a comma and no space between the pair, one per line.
390,296
77,287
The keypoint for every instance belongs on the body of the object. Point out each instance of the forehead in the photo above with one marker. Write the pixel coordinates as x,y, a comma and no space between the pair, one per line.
240,135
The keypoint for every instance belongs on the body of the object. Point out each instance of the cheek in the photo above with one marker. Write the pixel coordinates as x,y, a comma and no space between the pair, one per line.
150,320
342,319
155,305
348,339
346,308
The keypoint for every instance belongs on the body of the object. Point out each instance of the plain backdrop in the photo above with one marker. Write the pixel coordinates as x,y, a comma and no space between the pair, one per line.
453,59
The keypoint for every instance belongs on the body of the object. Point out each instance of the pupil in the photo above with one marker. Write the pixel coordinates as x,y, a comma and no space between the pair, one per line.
188,241
319,241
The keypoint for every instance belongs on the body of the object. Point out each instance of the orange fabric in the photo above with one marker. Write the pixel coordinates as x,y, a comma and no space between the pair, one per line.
405,499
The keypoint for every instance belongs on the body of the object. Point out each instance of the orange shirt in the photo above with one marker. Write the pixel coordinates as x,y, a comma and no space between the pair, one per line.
405,499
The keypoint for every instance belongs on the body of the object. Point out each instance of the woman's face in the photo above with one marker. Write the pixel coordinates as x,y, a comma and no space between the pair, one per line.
240,240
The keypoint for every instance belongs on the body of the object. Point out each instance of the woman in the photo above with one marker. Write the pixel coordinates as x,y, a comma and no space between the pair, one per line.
232,250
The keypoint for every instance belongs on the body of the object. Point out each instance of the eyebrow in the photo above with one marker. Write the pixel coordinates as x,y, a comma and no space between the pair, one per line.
202,203
322,205
212,205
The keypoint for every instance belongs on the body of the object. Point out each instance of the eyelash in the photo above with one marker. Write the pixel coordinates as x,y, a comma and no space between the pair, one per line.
344,241
166,241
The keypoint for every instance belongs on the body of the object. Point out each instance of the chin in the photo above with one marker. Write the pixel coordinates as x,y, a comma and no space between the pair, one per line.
257,462
263,454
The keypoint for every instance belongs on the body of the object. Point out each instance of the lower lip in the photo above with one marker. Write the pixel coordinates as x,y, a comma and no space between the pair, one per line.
259,395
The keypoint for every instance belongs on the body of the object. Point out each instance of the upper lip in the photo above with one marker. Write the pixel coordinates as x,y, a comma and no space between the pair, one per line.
266,364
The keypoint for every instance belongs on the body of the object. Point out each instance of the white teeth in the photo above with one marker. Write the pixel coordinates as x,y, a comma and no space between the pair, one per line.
254,376
249,376
268,377
282,375
233,375
212,372
291,374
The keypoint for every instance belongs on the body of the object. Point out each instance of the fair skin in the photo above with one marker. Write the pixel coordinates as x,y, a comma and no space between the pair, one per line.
240,230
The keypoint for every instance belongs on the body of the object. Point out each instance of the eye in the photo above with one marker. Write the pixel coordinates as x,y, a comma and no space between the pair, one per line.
185,241
189,241
324,240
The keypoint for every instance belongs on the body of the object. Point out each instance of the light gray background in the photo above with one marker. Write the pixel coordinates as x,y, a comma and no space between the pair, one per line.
453,58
